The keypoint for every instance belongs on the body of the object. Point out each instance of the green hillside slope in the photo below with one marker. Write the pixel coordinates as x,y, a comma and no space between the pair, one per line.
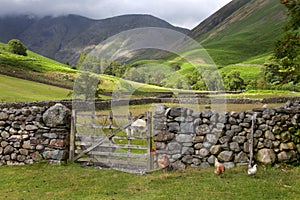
36,68
39,70
249,31
34,77
14,90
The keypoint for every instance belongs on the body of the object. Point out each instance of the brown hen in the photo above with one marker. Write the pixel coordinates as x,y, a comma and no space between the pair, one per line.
219,168
163,162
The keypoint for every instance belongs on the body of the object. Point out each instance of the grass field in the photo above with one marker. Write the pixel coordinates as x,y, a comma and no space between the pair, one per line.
15,90
261,94
43,181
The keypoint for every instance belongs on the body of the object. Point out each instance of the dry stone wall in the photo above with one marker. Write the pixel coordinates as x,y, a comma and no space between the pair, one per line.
31,134
102,104
196,138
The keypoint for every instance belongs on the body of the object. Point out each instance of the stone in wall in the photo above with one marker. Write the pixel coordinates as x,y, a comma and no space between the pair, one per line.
241,157
225,156
266,156
178,111
173,127
56,115
202,129
215,149
3,116
163,136
174,148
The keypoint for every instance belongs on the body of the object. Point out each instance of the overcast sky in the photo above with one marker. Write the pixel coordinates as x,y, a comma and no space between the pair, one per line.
184,13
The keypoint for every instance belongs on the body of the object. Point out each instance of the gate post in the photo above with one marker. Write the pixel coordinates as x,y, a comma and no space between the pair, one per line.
149,141
72,136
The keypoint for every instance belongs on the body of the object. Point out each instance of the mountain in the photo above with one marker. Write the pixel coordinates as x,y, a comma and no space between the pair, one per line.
241,30
64,38
217,18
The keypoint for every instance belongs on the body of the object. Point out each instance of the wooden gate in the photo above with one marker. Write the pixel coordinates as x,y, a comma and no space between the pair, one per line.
100,140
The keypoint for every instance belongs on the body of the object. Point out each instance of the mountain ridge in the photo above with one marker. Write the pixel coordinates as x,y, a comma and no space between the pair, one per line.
250,29
239,31
63,38
215,19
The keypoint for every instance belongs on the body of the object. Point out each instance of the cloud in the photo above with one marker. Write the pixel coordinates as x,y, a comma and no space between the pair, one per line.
185,13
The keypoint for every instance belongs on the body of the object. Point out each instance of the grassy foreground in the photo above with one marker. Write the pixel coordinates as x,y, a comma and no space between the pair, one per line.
42,181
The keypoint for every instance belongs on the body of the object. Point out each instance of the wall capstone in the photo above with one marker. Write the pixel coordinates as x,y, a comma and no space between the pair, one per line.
56,115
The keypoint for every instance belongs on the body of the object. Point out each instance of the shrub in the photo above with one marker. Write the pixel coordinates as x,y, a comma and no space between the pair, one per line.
233,81
17,47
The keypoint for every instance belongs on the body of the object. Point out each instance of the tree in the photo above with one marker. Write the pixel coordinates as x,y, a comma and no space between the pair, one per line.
17,47
87,84
233,81
115,68
284,66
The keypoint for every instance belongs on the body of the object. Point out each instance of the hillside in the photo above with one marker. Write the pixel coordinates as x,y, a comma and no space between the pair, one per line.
36,68
238,37
240,30
217,18
16,90
64,38
34,77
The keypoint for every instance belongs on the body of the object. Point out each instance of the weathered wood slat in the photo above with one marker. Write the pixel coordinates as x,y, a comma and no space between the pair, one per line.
127,146
125,163
114,162
121,146
80,135
113,154
91,115
150,163
101,116
89,137
97,138
130,137
96,126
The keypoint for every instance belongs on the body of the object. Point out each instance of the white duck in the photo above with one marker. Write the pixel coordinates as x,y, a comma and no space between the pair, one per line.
252,170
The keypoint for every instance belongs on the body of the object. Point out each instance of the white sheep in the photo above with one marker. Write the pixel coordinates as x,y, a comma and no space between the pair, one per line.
138,126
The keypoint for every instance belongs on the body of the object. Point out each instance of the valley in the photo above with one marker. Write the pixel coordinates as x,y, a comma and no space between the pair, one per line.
115,108
239,38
